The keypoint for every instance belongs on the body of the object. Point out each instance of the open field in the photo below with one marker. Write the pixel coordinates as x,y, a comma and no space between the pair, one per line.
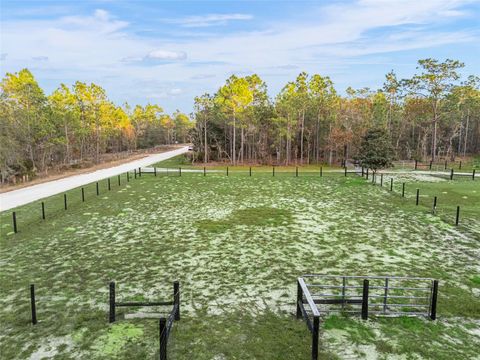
237,244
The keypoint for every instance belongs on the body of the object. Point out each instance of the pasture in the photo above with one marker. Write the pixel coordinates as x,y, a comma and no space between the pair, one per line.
237,245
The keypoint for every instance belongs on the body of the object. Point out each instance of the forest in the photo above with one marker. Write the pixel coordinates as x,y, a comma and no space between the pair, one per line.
432,115
73,126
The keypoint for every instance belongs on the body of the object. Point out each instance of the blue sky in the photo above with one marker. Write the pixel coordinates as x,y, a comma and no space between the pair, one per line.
167,52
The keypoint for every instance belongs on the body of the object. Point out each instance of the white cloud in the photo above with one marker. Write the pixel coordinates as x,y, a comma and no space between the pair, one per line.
40,58
167,55
208,20
3,56
176,91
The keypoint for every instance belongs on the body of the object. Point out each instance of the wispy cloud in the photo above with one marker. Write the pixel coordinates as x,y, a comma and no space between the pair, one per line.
208,20
167,55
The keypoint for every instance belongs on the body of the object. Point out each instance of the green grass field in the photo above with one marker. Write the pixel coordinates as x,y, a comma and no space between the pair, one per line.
237,245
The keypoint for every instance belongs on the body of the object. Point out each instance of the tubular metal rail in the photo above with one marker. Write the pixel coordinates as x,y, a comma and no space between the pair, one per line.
165,324
379,295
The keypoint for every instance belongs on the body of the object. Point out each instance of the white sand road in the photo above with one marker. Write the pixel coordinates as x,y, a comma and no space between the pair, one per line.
12,199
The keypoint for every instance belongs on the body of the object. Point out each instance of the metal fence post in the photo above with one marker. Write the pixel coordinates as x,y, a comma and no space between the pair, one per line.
473,174
433,305
205,171
418,197
250,171
403,189
128,176
381,179
367,173
43,210
176,298
457,218
154,171
345,171
416,162
112,302
83,194
163,338
315,333
391,184
227,170
434,205
296,171
365,300
32,304
98,192
273,170
451,174
179,171
109,187
299,300
118,180
14,219
140,172
321,171
135,173
65,201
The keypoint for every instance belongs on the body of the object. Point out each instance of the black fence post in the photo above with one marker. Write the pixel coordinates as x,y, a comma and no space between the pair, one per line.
227,170
43,210
250,171
163,338
391,184
273,170
135,173
451,174
98,192
32,304
457,218
418,197
299,300
363,173
179,171
65,201
205,171
118,177
14,218
433,306
446,164
381,180
365,300
139,172
321,171
430,165
416,163
176,298
403,189
473,174
460,165
345,171
315,333
108,182
434,208
112,302
128,176
367,173
83,194
154,171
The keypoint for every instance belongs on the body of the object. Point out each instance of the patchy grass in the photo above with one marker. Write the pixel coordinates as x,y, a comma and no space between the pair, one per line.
236,245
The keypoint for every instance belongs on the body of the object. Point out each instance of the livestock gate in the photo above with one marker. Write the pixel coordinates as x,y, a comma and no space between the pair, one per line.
388,296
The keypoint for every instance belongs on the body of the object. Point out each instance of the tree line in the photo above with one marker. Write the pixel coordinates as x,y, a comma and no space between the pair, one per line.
74,125
430,115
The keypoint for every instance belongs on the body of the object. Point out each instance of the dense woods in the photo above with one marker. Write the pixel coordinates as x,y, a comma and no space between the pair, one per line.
433,114
73,125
